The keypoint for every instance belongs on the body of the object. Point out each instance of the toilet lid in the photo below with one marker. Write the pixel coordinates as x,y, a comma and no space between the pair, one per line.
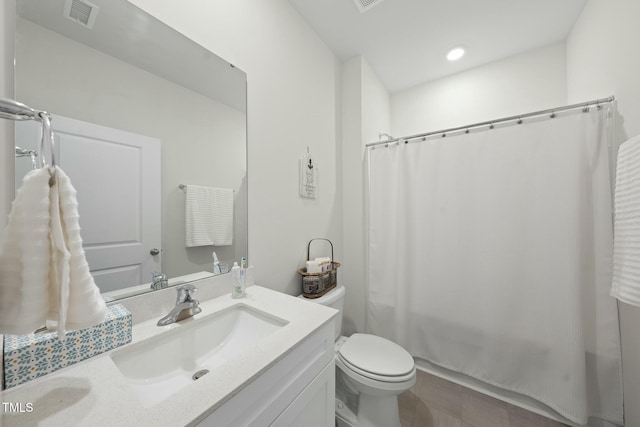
376,355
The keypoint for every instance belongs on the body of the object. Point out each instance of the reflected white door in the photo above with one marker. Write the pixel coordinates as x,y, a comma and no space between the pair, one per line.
117,177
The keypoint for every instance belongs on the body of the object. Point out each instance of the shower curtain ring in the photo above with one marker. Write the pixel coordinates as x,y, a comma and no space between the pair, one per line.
444,135
553,115
466,131
519,120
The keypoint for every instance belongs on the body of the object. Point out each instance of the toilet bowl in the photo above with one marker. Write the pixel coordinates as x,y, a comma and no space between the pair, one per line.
371,372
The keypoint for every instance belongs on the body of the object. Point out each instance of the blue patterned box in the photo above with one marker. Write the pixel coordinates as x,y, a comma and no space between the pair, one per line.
31,356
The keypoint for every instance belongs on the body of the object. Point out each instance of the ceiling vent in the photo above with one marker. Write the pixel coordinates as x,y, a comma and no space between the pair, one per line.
81,11
366,5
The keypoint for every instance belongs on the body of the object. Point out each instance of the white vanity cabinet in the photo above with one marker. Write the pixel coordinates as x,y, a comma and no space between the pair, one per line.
315,406
297,390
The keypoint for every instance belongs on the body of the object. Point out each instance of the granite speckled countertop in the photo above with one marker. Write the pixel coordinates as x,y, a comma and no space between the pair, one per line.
95,393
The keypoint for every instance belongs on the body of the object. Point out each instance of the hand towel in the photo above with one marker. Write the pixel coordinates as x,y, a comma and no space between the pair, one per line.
626,245
81,304
25,258
44,276
208,216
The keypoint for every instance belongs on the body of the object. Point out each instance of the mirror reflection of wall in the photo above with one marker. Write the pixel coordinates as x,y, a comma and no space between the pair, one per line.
202,140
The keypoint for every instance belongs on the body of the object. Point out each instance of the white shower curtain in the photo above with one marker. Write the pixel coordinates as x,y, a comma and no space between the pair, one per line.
490,254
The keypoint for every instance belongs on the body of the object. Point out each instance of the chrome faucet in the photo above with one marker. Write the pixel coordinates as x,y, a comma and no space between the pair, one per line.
185,307
159,281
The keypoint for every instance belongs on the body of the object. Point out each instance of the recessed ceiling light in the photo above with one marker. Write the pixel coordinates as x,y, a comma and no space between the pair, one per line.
455,53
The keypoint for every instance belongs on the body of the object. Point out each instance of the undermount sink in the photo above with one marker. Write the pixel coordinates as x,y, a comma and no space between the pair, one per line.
162,365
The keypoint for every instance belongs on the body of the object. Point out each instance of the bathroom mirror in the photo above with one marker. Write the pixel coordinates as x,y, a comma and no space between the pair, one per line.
139,111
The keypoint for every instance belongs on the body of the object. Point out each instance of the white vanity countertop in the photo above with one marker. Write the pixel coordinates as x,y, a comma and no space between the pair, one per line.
95,393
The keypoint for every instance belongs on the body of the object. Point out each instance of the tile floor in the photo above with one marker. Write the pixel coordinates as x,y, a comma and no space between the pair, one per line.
434,402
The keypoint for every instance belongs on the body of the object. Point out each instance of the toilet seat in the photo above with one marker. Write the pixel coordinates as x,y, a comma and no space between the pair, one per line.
377,358
376,377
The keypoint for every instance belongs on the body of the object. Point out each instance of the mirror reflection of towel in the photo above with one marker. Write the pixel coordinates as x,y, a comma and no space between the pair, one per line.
208,216
44,275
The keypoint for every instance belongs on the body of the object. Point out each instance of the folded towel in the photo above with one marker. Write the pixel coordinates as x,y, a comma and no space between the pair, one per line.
626,246
208,216
44,276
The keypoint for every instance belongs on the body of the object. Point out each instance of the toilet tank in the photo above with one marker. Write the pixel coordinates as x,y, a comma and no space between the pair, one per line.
334,299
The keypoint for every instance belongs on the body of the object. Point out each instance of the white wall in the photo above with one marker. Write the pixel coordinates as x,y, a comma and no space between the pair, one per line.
292,104
530,81
602,60
376,106
366,113
353,268
376,119
203,141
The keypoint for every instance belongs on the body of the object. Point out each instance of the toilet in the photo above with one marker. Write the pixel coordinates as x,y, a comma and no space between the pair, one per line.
371,372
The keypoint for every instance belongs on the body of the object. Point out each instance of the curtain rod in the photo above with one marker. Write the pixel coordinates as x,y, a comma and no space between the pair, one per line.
491,123
184,187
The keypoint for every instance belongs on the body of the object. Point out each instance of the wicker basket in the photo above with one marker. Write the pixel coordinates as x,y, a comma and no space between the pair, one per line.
314,285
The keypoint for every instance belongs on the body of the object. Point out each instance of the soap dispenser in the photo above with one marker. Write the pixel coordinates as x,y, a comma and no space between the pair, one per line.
237,279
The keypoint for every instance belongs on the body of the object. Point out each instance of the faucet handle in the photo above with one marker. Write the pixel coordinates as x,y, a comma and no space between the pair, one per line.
159,280
157,275
185,292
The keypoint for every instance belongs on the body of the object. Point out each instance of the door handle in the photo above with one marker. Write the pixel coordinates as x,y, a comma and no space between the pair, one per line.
154,251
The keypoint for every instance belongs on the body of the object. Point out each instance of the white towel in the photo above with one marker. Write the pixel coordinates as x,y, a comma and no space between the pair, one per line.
626,246
44,276
208,216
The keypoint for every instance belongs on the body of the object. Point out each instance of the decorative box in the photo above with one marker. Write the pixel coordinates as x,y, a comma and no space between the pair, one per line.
31,356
